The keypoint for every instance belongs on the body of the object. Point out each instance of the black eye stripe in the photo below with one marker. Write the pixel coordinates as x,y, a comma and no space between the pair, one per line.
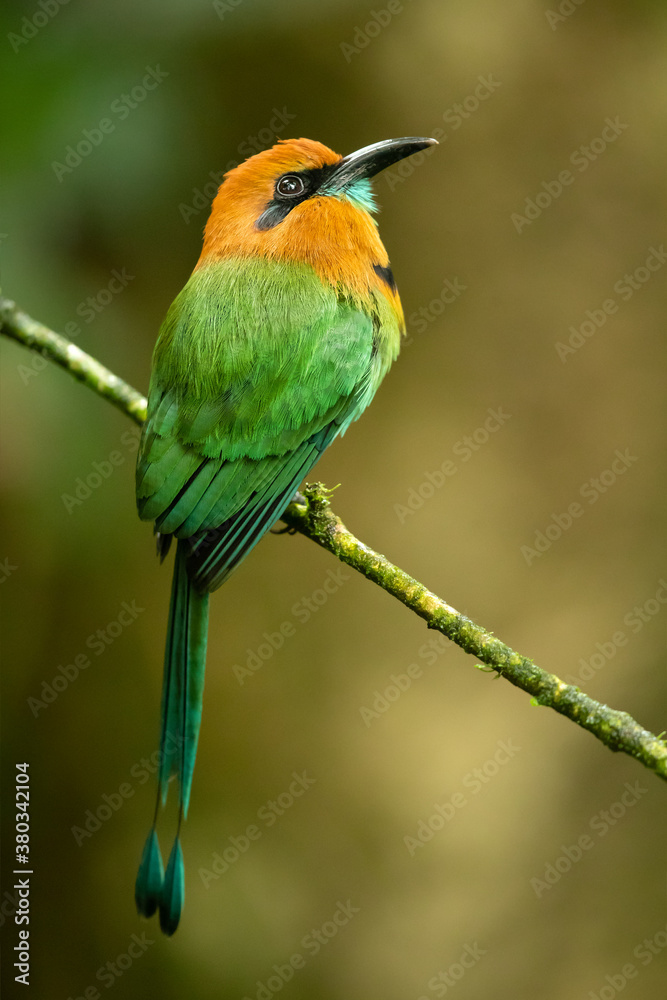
282,203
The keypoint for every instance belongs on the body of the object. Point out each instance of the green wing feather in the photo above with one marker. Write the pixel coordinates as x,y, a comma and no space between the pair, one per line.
259,365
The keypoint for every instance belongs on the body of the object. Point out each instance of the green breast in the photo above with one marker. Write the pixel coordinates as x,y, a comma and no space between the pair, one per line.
254,358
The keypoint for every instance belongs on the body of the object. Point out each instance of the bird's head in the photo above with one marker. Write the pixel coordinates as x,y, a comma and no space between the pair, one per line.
300,201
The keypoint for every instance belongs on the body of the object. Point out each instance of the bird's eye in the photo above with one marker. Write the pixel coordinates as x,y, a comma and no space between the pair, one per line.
290,186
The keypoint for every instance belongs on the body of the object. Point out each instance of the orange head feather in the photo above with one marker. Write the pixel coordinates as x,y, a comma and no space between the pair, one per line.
301,202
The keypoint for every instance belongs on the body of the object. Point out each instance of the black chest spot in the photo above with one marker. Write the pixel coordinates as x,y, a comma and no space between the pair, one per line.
385,274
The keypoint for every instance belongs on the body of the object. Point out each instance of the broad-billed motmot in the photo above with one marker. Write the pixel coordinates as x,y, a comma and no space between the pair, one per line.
279,340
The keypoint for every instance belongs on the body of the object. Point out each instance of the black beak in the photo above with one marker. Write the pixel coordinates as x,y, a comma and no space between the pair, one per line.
370,160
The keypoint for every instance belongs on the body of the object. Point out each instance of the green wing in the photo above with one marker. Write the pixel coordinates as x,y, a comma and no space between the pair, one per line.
258,367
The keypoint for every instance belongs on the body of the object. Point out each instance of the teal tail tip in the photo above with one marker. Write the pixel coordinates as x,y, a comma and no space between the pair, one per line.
150,877
173,891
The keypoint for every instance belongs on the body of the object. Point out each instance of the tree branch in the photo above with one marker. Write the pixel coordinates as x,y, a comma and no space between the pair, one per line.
27,331
315,519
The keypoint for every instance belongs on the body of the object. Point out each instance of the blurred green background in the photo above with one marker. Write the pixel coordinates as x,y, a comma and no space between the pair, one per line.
137,205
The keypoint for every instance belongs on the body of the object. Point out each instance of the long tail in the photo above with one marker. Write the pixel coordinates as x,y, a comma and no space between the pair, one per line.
182,695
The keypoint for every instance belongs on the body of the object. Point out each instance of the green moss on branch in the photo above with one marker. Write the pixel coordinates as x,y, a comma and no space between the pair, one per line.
315,519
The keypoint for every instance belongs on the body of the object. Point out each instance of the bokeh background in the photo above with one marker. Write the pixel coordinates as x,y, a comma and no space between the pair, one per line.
235,76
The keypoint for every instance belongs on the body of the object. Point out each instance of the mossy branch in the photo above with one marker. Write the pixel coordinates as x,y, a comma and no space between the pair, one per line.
315,519
27,331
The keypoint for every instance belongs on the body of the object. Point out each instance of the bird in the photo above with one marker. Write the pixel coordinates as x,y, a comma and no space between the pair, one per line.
276,344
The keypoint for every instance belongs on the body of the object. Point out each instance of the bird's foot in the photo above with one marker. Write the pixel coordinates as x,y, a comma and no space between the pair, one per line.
301,500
